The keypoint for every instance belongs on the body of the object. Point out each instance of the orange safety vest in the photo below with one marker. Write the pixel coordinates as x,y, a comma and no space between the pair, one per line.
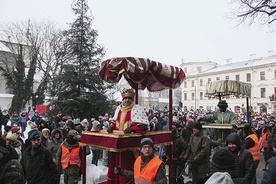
148,173
264,140
70,158
255,150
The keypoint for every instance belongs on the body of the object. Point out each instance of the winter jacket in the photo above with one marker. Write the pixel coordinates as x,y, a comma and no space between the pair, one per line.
55,143
243,159
11,169
269,175
227,117
38,166
70,170
198,148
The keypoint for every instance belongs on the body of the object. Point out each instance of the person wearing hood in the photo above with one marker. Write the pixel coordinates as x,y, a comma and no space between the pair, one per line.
198,153
11,171
251,143
37,162
56,140
222,169
243,157
68,157
148,168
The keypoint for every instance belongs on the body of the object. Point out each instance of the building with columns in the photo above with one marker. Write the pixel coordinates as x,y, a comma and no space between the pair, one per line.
260,72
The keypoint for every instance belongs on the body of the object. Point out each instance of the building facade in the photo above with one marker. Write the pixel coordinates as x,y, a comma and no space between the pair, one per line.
260,72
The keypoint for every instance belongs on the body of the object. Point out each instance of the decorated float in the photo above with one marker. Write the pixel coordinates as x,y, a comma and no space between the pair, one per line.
140,73
222,88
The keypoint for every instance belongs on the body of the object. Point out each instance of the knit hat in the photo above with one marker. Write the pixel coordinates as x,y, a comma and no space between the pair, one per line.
222,103
223,159
34,134
233,138
146,141
76,121
198,126
12,136
220,177
74,133
3,145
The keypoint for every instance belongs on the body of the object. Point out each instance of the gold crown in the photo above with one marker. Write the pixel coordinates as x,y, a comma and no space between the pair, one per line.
128,93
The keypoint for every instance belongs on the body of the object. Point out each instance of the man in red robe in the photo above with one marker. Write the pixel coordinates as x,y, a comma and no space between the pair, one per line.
128,117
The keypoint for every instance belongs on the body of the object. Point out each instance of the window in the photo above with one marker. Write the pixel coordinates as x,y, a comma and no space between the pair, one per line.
201,96
201,82
248,77
193,96
227,77
237,77
262,92
274,74
209,79
218,78
193,83
262,75
185,84
185,96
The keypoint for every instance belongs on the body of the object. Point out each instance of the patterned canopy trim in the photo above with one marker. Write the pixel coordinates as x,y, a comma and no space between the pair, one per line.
146,73
227,87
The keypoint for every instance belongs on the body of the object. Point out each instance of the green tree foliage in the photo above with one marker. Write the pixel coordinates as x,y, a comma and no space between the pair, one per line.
18,79
81,91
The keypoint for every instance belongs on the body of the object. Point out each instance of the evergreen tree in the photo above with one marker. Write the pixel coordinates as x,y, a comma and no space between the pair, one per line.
81,91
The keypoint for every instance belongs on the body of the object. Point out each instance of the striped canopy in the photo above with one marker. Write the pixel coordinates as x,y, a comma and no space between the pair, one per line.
143,72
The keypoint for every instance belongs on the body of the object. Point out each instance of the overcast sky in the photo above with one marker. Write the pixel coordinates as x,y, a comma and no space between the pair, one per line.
162,30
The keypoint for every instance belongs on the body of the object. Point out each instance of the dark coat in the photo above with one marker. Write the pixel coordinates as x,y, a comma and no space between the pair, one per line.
243,159
39,167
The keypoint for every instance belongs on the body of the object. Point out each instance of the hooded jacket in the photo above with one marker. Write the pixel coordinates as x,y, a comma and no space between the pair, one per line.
243,158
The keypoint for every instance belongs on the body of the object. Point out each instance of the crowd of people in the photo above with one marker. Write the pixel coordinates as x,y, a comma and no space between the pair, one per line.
52,148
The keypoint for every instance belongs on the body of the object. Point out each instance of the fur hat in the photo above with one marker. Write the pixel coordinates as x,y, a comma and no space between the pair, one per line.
14,129
223,160
198,126
32,124
222,103
12,136
74,133
3,148
128,93
146,141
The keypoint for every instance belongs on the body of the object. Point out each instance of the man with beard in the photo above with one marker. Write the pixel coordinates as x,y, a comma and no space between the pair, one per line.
128,117
147,167
243,158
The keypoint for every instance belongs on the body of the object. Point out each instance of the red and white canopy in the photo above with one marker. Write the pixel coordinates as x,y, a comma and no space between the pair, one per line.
146,73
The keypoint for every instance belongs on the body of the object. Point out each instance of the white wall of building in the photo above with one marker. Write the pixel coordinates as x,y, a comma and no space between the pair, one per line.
212,71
